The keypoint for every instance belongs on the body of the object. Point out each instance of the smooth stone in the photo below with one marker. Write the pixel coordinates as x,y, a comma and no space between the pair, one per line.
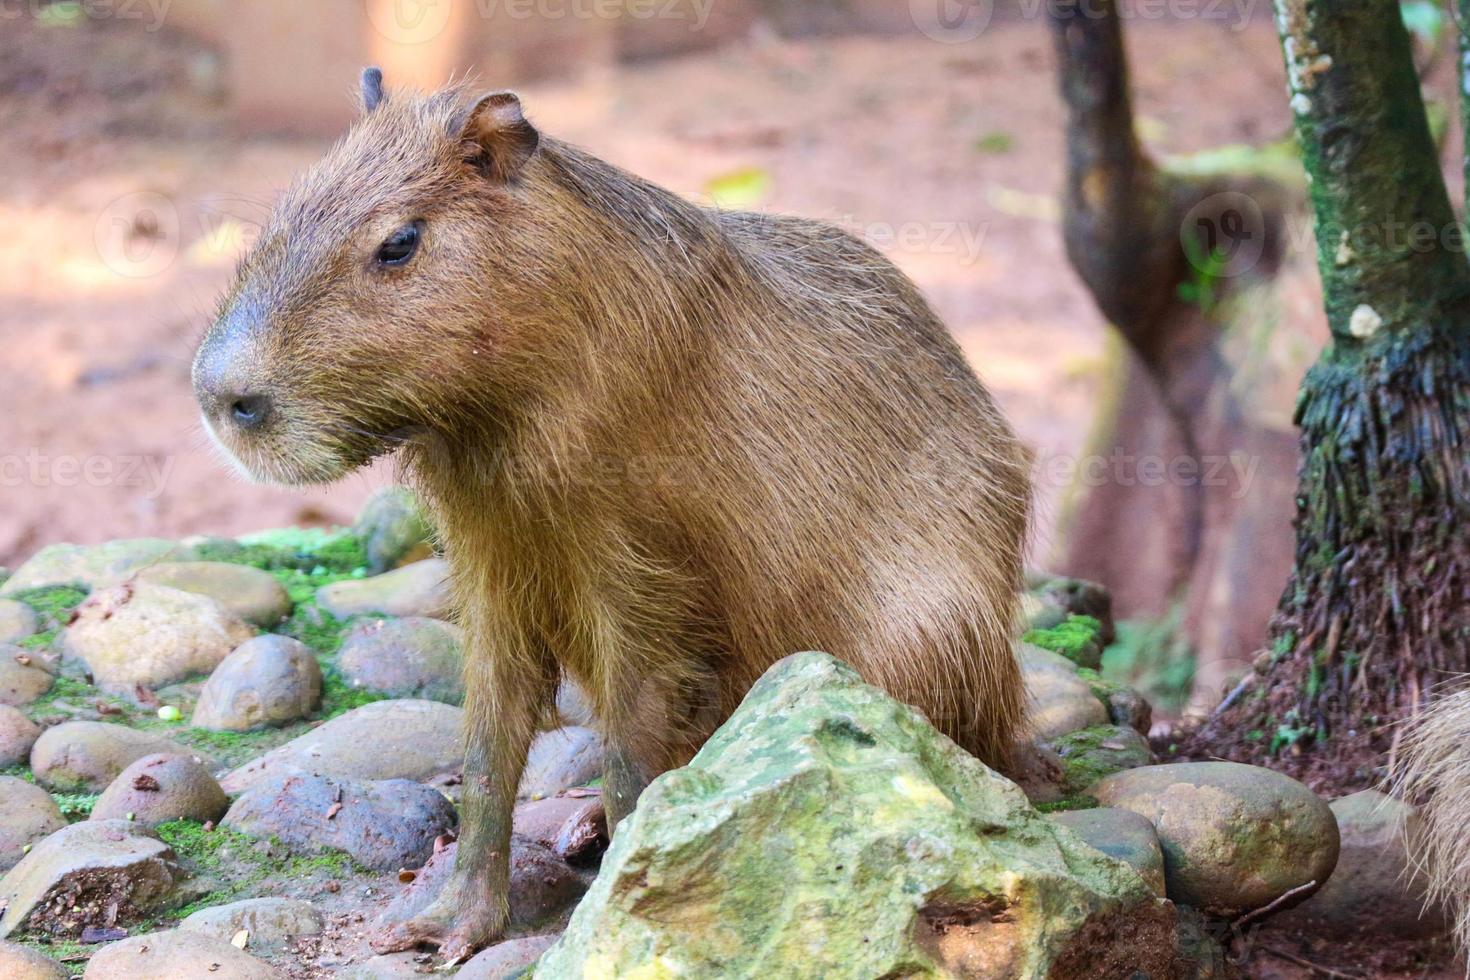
420,589
507,959
86,756
1093,753
410,657
560,760
394,529
92,565
176,953
1236,838
385,825
151,635
1378,888
22,680
383,740
575,827
271,923
251,594
573,705
19,962
160,788
270,680
97,872
17,735
1120,834
17,621
1059,700
27,814
542,887
1073,597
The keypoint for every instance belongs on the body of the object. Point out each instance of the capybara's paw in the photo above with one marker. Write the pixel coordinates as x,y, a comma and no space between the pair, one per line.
459,924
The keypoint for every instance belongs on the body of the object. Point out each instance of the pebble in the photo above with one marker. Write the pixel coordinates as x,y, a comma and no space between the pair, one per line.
17,621
410,657
1059,700
406,739
507,959
1235,837
270,680
22,680
394,529
89,566
17,735
179,954
27,814
419,589
160,788
86,756
385,825
249,593
23,963
1122,834
151,635
560,760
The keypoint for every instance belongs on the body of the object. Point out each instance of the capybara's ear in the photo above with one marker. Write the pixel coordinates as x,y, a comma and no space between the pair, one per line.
497,137
372,88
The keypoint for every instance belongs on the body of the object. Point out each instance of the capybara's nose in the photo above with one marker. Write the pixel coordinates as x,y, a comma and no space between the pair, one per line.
249,411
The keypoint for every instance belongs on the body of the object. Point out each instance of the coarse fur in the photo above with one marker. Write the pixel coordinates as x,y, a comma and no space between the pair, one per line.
666,445
1435,772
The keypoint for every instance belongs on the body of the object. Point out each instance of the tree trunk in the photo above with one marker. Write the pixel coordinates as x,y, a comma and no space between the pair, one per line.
1377,608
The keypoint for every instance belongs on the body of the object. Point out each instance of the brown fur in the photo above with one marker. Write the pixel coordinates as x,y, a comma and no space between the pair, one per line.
1435,771
666,445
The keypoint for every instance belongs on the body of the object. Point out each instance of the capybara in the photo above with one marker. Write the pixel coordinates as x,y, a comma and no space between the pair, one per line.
1434,771
666,445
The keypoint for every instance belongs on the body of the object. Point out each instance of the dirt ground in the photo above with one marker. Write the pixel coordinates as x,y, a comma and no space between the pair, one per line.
127,199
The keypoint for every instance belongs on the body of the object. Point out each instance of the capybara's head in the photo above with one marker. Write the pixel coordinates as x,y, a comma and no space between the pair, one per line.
381,291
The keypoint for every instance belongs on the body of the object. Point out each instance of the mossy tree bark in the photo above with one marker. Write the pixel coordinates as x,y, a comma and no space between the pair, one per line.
1377,609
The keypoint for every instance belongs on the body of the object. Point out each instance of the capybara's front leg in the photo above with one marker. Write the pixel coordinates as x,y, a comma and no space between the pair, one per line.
505,698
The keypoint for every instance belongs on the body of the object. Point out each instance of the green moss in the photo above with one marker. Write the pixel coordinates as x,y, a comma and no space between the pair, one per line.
54,603
340,697
239,862
76,806
1079,802
1078,638
1153,658
309,550
19,772
995,142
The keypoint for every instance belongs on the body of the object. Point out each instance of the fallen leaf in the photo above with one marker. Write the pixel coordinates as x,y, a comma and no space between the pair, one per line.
146,783
333,810
239,939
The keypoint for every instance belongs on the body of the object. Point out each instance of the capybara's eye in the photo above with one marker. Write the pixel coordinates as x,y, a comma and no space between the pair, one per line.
400,246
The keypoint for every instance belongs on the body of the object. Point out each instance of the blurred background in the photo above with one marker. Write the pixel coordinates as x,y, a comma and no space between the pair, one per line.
145,140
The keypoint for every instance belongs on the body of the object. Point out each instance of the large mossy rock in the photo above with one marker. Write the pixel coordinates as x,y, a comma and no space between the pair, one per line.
828,831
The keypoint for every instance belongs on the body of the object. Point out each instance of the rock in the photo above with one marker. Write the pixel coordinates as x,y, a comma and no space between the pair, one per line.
1378,889
412,657
542,887
17,621
23,963
176,953
505,960
394,529
561,759
827,830
17,734
270,680
420,589
383,740
151,635
1235,837
272,923
575,827
21,678
160,788
248,593
385,825
1074,597
573,704
1121,834
1060,701
1038,771
86,756
1125,705
1092,753
390,966
1078,638
97,872
92,565
27,814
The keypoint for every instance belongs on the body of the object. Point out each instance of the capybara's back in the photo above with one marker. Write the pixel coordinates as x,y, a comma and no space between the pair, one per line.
1434,770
